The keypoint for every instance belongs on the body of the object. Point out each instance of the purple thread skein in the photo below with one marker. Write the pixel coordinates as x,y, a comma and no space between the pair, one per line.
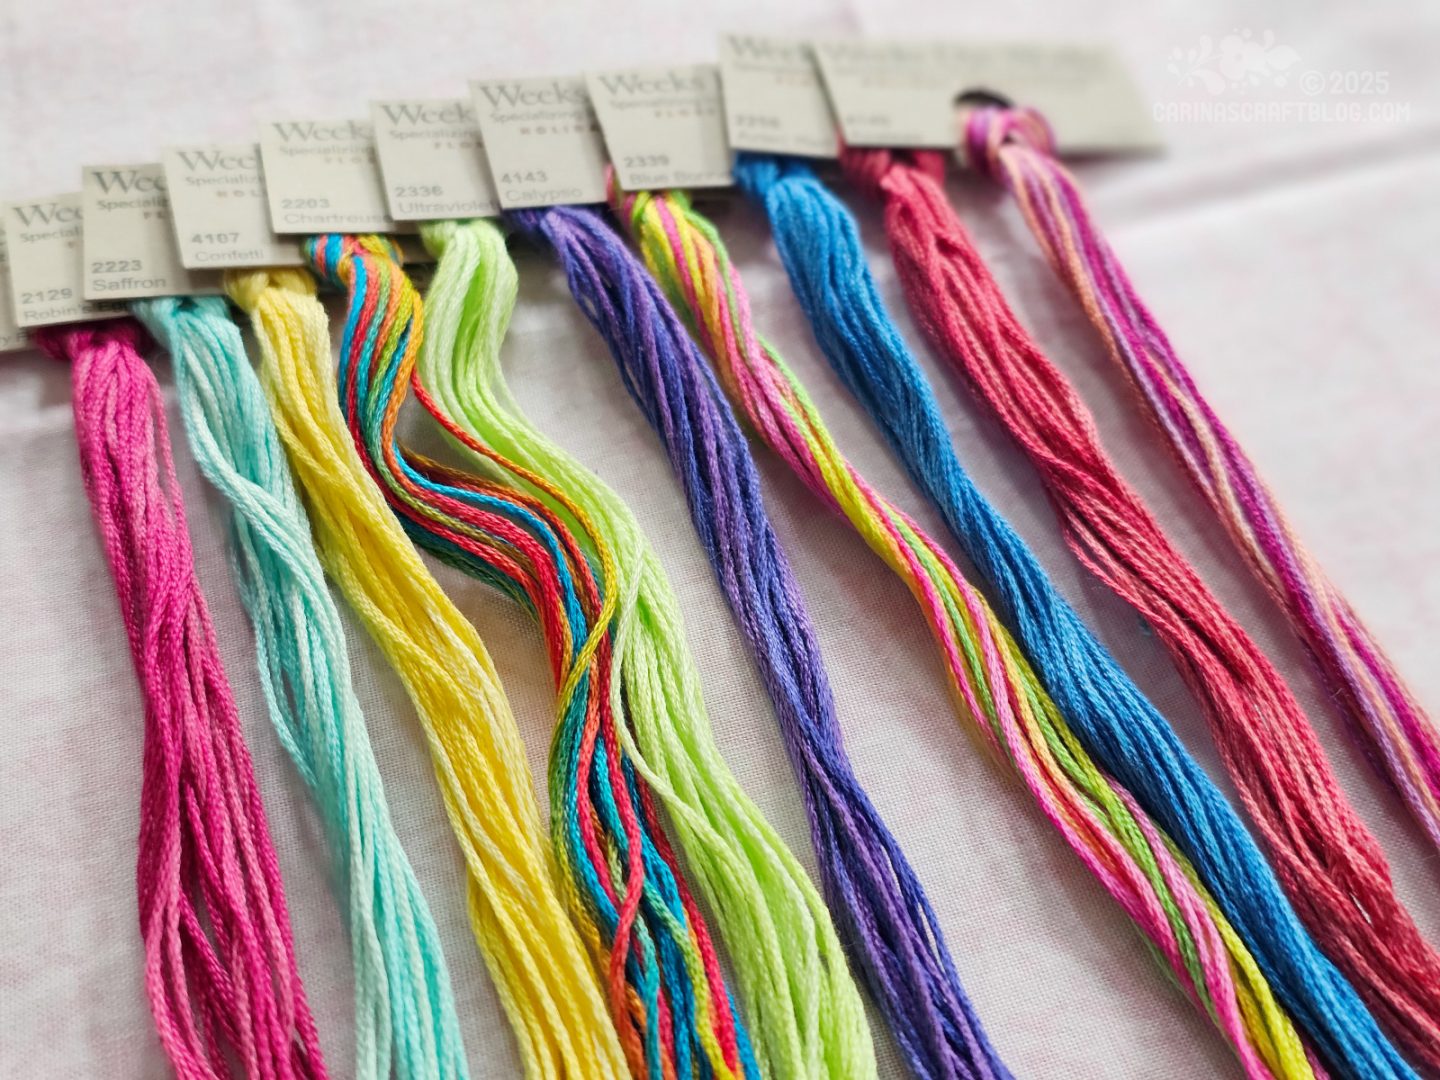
890,928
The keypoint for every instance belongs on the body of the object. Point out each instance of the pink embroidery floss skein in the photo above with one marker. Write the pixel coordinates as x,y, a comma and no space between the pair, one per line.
1330,864
1016,148
219,960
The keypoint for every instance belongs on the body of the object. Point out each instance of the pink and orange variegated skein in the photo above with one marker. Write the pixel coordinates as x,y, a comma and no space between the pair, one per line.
1016,148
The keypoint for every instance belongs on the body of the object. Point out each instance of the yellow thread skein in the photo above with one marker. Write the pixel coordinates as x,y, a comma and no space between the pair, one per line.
545,981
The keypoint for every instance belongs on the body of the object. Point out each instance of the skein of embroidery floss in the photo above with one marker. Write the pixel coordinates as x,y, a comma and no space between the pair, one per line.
1001,693
405,1020
668,996
820,246
544,979
805,1013
893,933
1016,148
219,959
1332,867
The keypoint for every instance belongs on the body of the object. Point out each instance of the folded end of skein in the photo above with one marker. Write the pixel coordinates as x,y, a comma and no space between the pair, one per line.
332,256
867,169
68,341
247,287
987,129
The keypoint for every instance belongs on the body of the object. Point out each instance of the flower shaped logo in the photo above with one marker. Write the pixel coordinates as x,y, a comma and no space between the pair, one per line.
1237,61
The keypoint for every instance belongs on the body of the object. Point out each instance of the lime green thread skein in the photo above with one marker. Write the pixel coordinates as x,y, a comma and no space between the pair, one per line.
802,1004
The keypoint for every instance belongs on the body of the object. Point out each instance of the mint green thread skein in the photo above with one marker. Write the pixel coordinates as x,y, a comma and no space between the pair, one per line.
405,1019
803,1008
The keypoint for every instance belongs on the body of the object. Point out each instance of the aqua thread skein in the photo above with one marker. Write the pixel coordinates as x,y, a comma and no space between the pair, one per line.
405,1020
220,966
545,982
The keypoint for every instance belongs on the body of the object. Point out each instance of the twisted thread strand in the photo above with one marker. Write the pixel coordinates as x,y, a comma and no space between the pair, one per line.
1015,148
219,956
790,977
1331,866
888,922
667,995
1001,694
405,1020
542,975
820,246
892,929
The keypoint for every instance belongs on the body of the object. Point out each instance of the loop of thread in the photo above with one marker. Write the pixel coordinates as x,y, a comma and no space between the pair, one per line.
541,973
248,287
820,246
67,342
988,132
867,169
804,1009
1402,740
618,874
219,956
1002,695
405,1020
331,256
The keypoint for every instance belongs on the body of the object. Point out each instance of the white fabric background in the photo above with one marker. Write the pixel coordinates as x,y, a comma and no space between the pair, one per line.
1293,264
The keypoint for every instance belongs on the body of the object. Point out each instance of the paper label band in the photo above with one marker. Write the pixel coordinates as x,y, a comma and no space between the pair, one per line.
217,200
663,127
322,177
899,94
47,265
432,160
11,336
542,141
129,242
775,102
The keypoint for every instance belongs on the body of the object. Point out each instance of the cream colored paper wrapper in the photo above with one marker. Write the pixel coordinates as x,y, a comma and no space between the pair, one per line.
47,267
432,159
321,176
129,242
902,94
663,127
217,203
542,141
11,336
775,102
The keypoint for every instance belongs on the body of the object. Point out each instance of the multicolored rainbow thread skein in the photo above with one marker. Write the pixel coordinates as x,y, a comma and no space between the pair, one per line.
219,956
819,244
541,971
894,934
1002,695
1332,867
805,1013
405,1020
1016,148
632,907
